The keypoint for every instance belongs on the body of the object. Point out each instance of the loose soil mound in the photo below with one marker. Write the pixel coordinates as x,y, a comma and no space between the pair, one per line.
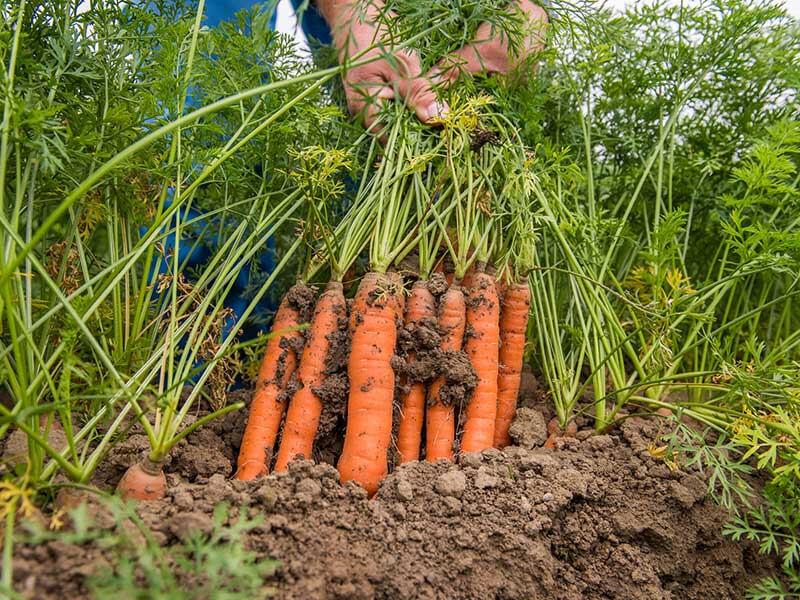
598,517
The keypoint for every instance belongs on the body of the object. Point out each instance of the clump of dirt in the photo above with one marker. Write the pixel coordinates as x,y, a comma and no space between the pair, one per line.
333,393
292,386
460,378
437,285
302,298
598,517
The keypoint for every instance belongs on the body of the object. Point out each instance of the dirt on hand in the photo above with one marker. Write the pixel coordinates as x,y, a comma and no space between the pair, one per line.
598,517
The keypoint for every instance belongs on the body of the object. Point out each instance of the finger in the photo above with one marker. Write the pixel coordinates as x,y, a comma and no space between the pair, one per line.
420,96
417,90
365,99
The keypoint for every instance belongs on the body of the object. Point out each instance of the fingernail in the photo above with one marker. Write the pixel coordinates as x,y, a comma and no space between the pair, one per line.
437,110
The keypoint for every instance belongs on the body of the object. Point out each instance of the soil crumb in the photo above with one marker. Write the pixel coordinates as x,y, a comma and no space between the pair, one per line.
437,284
596,518
303,299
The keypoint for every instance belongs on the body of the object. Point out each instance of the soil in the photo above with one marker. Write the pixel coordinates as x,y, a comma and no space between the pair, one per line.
437,285
598,517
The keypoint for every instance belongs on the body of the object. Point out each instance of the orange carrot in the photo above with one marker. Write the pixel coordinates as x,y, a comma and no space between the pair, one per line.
144,480
469,278
440,421
555,432
501,285
369,405
267,407
419,307
305,408
513,327
482,348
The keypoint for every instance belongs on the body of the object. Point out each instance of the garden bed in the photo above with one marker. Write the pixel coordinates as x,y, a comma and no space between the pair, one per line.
598,517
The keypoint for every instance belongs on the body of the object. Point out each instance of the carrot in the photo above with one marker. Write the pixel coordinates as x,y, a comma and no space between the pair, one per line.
501,286
144,480
305,408
513,327
419,306
369,405
482,348
555,432
266,410
469,278
440,424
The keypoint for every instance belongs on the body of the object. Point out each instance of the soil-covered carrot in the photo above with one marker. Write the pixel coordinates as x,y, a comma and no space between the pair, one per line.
420,306
555,432
369,406
514,312
144,480
305,407
267,407
440,426
482,347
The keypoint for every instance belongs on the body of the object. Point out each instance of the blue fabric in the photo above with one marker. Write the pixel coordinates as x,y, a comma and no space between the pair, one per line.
314,26
224,10
198,237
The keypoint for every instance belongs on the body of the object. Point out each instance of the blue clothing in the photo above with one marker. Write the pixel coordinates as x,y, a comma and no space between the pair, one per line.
198,239
311,21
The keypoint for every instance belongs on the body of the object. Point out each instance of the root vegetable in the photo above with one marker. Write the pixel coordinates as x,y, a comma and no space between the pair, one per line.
419,307
555,432
369,406
266,410
305,407
482,348
515,309
144,480
440,417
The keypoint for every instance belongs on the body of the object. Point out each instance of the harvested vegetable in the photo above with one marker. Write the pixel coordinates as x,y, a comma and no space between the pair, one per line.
377,305
420,307
514,313
305,407
268,405
440,419
482,347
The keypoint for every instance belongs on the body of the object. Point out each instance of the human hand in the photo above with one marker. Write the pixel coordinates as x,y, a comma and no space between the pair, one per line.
394,74
489,52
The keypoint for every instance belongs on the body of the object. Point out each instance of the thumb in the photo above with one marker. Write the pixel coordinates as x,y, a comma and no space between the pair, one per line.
421,97
415,89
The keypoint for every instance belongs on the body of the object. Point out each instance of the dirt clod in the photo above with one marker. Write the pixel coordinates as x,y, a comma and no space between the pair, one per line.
528,429
452,483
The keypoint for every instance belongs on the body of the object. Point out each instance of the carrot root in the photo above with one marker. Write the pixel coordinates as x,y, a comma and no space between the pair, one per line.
376,307
305,408
440,417
268,405
144,480
482,347
513,327
419,306
555,432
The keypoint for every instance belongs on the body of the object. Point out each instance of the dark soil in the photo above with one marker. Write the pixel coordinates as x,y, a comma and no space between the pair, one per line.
598,517
302,298
437,285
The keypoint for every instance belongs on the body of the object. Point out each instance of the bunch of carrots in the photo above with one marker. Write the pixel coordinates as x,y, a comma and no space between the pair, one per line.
445,218
450,205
